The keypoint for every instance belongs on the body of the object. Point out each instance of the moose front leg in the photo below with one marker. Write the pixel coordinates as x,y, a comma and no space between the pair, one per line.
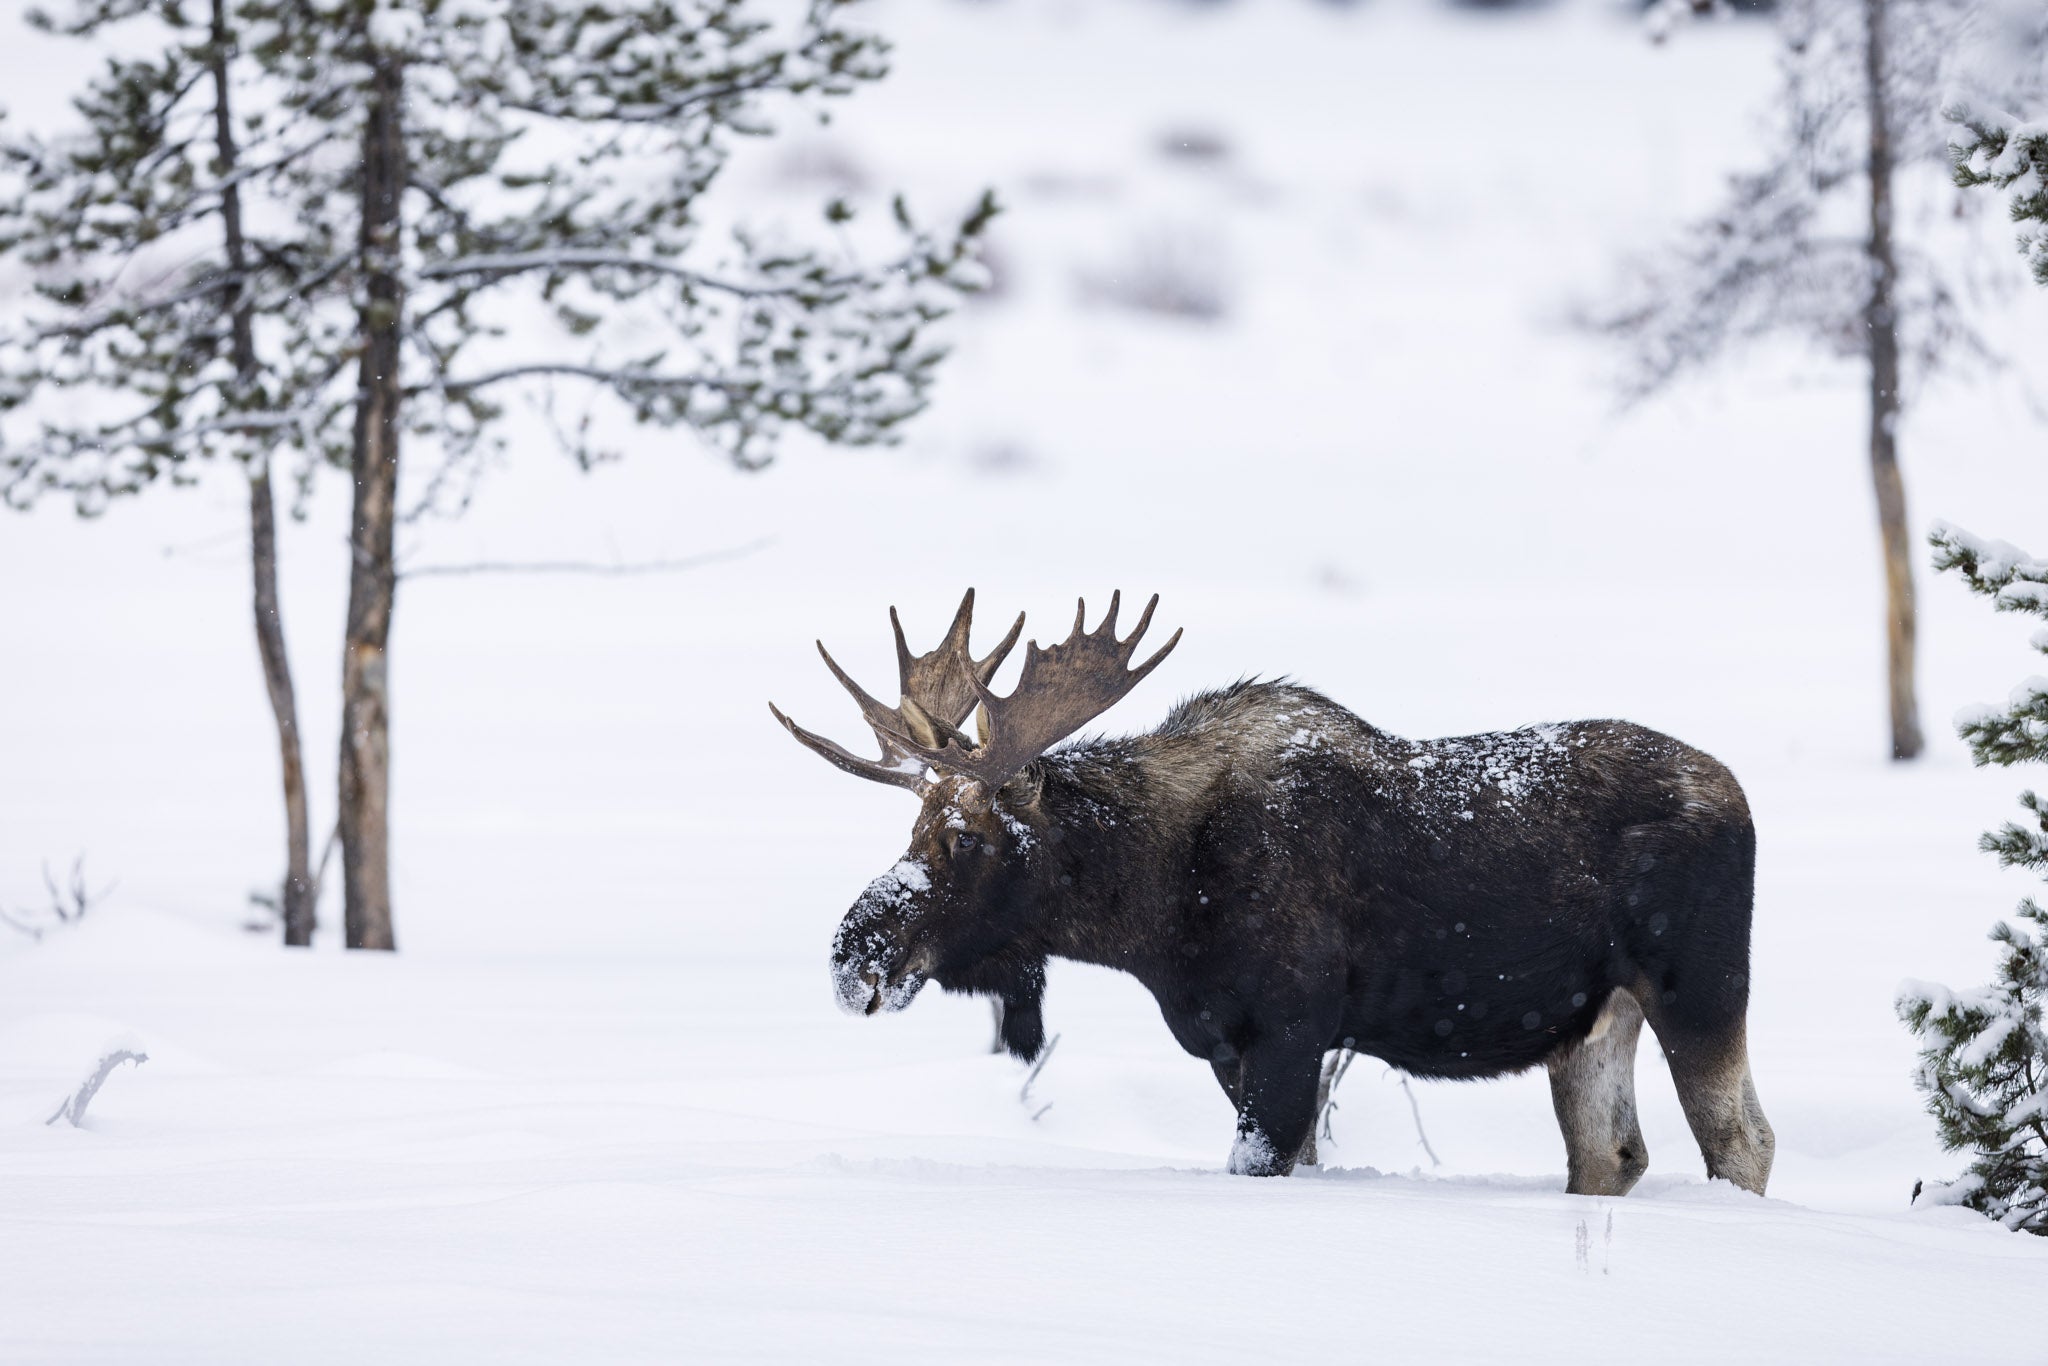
1020,1026
1276,1110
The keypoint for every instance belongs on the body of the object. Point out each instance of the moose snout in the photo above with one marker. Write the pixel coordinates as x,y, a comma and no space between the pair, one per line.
875,965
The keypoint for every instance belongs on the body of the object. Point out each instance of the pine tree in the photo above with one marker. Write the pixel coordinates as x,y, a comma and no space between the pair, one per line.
547,158
169,295
1856,108
469,201
1984,1056
1990,145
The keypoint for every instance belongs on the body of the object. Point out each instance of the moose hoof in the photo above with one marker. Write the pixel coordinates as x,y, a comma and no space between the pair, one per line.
1252,1155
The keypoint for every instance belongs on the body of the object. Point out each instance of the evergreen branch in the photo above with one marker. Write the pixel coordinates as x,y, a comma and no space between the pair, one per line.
770,76
1993,148
2016,733
666,111
506,264
170,149
2014,580
438,196
122,314
118,436
2013,845
660,87
302,281
243,174
90,20
240,422
624,380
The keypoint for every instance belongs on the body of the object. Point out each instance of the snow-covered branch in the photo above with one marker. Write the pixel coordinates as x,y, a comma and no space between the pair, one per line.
562,260
209,284
2000,69
2010,156
125,434
625,379
73,1106
2014,580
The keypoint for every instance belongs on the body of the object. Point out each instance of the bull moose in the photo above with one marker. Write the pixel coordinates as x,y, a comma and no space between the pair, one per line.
1288,880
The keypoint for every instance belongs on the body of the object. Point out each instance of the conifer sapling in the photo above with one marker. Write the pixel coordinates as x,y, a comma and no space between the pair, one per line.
1984,1055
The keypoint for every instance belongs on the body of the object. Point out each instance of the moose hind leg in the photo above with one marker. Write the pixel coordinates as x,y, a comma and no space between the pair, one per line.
1719,1098
1593,1086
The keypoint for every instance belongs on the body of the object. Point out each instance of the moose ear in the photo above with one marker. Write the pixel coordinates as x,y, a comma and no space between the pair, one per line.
932,732
1023,789
922,728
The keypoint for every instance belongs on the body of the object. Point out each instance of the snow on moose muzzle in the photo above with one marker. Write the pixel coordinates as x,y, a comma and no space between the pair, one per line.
873,968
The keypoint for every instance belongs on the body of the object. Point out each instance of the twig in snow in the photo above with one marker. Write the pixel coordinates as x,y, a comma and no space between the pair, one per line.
620,568
273,902
326,855
1335,1064
68,904
1416,1110
73,1106
1334,1068
71,903
1024,1095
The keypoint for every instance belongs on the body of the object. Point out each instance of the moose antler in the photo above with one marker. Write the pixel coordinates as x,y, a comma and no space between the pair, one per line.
937,691
1060,690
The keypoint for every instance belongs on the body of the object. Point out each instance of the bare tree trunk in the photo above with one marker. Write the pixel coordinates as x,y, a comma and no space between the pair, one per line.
365,696
1881,318
297,900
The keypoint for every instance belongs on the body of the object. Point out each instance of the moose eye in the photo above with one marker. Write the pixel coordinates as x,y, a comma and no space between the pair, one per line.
965,840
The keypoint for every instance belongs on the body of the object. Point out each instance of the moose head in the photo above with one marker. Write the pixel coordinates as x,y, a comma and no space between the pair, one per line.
961,905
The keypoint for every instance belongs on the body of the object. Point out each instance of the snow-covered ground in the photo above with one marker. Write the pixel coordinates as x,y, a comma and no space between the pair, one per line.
601,1106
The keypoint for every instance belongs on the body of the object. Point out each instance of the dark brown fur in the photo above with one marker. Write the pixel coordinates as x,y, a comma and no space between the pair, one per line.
1287,880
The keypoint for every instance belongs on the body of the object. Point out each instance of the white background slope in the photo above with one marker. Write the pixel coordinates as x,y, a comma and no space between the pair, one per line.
601,1106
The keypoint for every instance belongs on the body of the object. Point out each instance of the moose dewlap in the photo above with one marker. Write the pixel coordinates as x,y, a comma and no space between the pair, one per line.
1286,880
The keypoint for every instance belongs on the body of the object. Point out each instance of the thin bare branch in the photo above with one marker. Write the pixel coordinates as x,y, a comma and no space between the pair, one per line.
69,902
627,378
1416,1110
621,568
568,258
1024,1094
118,436
1335,1065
